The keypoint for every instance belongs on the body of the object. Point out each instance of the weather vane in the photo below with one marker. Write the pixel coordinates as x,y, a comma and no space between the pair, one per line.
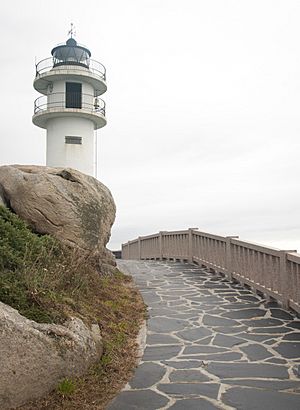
72,31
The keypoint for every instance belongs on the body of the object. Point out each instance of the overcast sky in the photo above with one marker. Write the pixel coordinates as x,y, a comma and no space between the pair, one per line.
203,109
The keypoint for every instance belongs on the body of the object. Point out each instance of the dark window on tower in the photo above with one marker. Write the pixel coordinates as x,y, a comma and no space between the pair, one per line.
73,140
73,95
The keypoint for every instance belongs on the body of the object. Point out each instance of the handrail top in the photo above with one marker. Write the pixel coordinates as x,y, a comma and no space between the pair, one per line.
185,232
132,242
152,236
210,235
257,247
293,257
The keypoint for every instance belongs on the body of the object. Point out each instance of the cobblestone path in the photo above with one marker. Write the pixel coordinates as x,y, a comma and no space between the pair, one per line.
211,344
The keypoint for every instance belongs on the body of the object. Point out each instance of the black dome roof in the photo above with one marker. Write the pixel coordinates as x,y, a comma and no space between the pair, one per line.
71,42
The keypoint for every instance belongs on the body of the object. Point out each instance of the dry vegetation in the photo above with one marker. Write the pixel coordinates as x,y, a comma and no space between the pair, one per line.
47,282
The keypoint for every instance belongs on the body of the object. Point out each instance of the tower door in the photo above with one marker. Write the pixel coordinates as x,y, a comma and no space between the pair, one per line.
73,95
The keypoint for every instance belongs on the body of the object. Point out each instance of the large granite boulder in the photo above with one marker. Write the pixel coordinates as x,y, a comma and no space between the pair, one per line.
75,208
35,357
2,198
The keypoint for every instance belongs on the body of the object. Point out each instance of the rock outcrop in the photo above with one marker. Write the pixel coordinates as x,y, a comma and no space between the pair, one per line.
75,208
35,357
79,211
2,197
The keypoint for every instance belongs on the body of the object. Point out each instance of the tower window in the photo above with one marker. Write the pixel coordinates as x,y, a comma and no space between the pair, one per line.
73,95
73,140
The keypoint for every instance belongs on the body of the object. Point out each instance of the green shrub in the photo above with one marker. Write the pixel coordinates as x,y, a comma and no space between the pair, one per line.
18,245
66,387
39,277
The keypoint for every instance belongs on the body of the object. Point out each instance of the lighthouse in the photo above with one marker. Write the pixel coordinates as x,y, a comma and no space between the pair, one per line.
70,108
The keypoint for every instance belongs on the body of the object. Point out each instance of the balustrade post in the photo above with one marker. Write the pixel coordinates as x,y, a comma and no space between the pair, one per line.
284,279
190,245
139,248
228,258
128,244
160,244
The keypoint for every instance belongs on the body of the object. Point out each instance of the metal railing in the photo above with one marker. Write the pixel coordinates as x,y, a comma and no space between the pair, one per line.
271,271
48,63
69,100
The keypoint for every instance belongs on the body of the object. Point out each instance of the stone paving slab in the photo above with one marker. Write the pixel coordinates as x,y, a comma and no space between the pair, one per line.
211,344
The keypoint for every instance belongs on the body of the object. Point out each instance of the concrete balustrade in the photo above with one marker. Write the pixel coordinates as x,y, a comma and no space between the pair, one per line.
274,272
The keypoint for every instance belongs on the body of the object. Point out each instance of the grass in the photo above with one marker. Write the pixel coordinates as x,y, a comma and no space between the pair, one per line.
48,282
40,277
119,328
66,387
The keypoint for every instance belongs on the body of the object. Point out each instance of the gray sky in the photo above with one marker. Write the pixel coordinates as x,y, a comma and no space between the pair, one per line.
203,109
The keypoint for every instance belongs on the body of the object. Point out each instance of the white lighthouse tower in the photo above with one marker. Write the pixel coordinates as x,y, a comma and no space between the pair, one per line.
70,108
